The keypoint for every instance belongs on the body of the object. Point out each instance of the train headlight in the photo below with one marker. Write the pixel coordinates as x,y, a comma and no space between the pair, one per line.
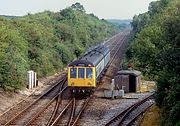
89,83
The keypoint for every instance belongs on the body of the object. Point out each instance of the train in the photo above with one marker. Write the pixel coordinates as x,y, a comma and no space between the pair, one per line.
86,72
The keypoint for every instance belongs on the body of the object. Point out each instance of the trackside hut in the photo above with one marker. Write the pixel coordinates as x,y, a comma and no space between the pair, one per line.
128,80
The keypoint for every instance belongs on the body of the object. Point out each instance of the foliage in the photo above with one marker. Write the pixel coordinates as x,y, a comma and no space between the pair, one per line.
46,42
155,50
78,6
13,67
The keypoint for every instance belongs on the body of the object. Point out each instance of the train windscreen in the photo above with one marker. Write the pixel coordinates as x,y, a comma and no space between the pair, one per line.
73,73
88,72
80,72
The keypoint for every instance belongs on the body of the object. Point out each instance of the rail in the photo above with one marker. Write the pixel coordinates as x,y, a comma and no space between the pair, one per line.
122,116
36,101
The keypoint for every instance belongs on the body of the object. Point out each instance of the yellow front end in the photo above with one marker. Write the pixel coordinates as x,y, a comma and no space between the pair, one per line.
81,77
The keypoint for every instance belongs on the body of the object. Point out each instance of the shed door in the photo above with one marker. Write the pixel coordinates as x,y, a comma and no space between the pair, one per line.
125,82
132,83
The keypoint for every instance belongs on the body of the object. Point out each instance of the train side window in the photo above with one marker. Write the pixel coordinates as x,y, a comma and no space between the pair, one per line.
88,72
80,72
72,72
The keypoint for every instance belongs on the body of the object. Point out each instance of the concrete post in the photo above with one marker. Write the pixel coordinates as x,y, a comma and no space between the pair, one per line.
30,79
35,77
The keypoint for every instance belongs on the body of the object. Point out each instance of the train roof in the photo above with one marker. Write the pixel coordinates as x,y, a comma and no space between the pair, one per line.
81,63
96,55
102,49
92,58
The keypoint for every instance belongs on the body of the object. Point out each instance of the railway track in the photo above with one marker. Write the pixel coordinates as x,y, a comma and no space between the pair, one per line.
33,110
56,120
42,116
130,114
71,113
55,111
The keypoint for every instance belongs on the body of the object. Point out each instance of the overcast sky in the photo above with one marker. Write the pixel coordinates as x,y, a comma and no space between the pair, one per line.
107,9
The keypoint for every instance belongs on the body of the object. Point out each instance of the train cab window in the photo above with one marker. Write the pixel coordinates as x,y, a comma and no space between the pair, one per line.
72,72
80,72
88,72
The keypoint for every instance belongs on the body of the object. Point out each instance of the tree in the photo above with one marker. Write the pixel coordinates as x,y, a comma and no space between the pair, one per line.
78,6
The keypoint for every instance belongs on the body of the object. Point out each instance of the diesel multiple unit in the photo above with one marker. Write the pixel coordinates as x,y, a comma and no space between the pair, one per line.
83,74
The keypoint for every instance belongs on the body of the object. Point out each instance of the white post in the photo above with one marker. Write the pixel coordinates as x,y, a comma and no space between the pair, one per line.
29,79
112,84
30,76
35,77
32,84
112,88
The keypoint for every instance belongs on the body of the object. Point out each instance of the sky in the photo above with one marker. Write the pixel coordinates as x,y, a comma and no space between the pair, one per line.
107,9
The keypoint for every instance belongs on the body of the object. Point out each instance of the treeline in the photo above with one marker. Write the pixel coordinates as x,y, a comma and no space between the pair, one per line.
121,24
155,50
46,42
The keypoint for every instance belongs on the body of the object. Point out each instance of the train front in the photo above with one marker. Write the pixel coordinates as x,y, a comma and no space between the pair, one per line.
81,76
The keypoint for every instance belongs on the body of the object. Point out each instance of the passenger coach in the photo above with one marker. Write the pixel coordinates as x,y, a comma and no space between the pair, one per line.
83,74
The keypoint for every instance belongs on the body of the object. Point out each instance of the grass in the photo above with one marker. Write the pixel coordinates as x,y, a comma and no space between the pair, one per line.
152,117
